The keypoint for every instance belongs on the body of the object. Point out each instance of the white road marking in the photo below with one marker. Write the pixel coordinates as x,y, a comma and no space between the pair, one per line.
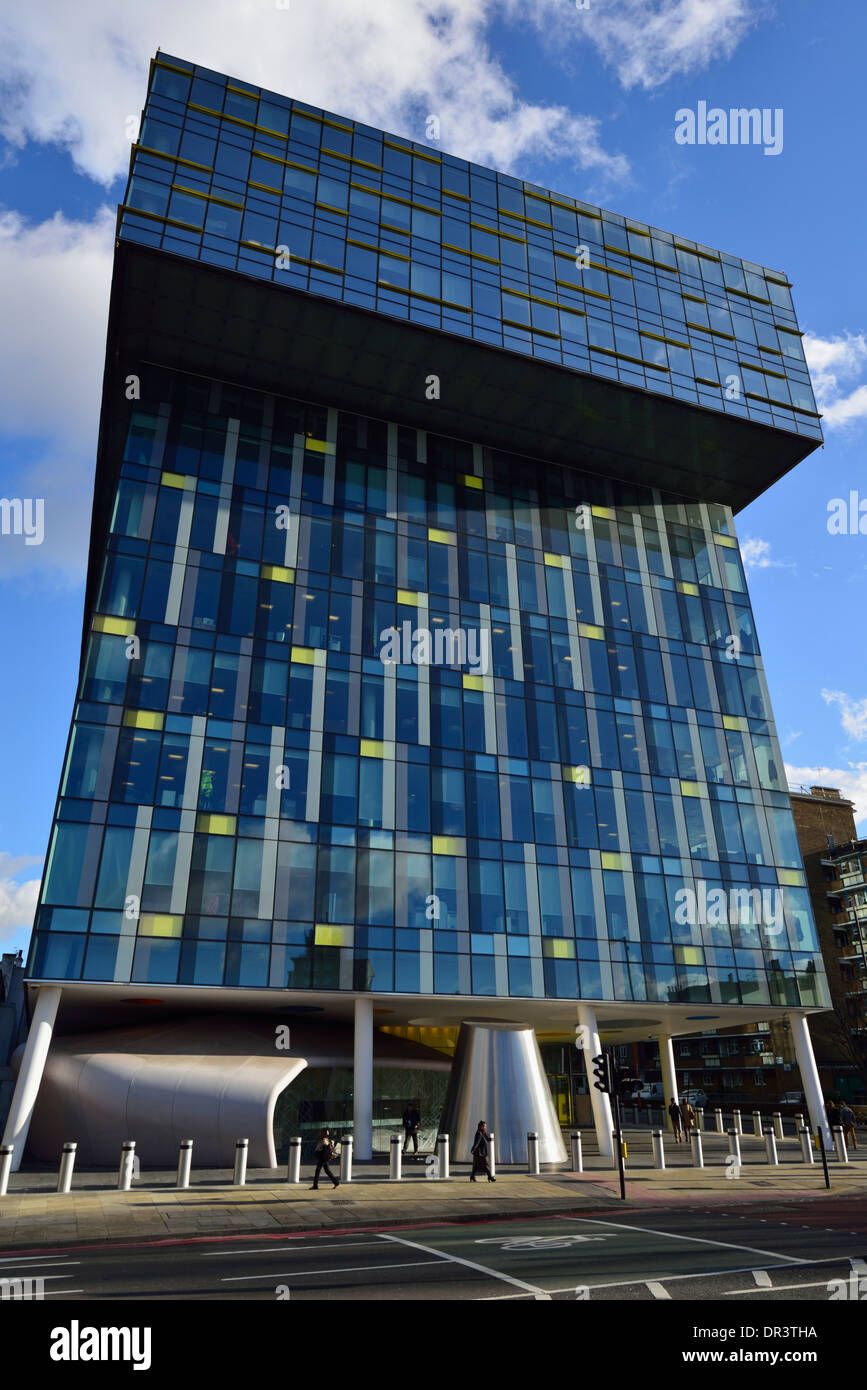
698,1240
31,1262
762,1278
778,1288
302,1273
656,1289
471,1264
858,1265
281,1249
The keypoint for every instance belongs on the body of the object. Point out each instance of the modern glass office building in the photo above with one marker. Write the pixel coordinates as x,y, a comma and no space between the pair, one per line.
419,678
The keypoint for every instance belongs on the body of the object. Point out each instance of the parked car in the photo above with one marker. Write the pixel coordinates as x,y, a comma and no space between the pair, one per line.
793,1099
696,1097
651,1093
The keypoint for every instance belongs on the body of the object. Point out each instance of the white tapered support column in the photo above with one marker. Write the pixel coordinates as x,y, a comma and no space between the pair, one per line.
810,1076
669,1075
362,1105
603,1120
30,1071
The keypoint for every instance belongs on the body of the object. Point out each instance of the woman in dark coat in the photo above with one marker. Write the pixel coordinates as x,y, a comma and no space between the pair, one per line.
481,1144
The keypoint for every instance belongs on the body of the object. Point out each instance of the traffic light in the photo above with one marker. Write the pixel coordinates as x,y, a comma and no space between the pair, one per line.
602,1072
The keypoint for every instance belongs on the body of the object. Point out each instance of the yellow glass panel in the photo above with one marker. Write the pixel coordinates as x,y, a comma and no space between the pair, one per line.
215,825
308,656
143,719
607,512
684,587
691,789
735,721
279,574
178,480
153,924
614,861
317,446
688,955
581,776
590,630
474,683
469,480
448,844
558,948
119,627
327,935
792,878
727,541
444,537
375,748
559,562
409,596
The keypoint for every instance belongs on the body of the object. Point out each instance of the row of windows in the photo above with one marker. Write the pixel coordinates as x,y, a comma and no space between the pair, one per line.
307,131
302,967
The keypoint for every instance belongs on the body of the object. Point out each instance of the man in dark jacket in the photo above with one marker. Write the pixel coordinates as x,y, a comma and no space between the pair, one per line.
411,1122
481,1146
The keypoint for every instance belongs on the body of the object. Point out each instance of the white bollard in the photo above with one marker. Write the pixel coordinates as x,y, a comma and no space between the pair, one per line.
778,1125
718,1116
346,1159
699,1118
239,1177
757,1123
394,1158
443,1155
293,1171
697,1153
736,1121
67,1163
735,1146
127,1159
492,1154
840,1143
533,1152
577,1153
806,1145
771,1146
185,1160
7,1152
658,1150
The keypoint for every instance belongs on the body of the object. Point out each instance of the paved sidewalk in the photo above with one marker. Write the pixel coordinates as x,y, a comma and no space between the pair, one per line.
33,1214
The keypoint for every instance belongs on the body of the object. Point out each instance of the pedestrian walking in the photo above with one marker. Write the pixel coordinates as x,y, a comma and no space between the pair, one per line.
325,1152
833,1111
674,1112
481,1145
687,1114
847,1119
411,1122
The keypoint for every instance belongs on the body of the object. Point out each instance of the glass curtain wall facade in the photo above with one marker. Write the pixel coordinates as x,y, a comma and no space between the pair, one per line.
367,707
262,790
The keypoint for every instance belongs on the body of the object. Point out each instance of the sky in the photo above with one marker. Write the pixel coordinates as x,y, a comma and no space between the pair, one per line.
580,96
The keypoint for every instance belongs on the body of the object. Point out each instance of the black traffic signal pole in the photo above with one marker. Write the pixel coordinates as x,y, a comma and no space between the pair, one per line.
617,1129
603,1070
820,1139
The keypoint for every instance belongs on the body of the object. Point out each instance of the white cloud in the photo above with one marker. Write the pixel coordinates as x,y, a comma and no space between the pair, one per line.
76,78
853,713
756,555
851,781
54,283
832,360
17,900
647,42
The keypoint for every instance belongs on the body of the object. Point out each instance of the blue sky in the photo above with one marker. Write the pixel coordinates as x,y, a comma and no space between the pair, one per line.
581,100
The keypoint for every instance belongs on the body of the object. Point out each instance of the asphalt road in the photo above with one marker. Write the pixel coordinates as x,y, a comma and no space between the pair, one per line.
792,1253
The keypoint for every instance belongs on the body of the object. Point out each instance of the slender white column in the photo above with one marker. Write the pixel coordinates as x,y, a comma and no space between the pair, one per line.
603,1120
362,1107
30,1071
669,1075
810,1076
